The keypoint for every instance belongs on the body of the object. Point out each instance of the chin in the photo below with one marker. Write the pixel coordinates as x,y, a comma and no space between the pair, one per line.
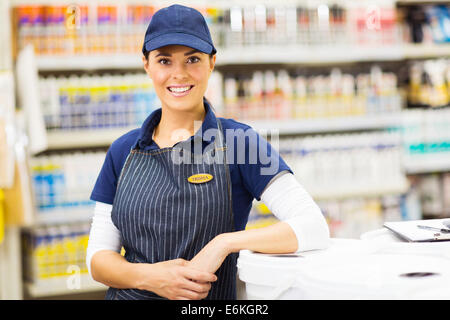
183,104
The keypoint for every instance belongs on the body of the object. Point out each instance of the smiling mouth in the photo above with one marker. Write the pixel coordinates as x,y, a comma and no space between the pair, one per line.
180,90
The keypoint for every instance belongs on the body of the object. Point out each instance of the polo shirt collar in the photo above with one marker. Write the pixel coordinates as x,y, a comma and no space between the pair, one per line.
145,135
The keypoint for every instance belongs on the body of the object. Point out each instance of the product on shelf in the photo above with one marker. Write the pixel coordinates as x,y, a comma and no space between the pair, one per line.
426,140
52,252
2,215
346,218
426,23
97,102
63,182
336,166
283,95
429,83
82,28
356,179
433,191
91,28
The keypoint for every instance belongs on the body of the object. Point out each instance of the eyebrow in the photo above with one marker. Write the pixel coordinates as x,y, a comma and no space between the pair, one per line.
165,54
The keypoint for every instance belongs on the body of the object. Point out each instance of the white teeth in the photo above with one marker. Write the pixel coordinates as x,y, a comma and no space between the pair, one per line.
179,89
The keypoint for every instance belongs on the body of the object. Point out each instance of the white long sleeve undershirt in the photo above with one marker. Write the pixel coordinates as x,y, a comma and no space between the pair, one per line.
284,196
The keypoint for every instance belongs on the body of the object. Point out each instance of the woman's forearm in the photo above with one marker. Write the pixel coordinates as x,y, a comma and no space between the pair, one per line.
172,279
276,238
111,269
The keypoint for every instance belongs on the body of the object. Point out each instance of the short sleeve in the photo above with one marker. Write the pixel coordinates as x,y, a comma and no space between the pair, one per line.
258,161
106,184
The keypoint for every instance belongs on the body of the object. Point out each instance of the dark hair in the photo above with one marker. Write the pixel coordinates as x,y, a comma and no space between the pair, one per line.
146,53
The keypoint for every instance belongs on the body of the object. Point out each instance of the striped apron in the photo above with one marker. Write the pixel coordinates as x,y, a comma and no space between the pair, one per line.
162,216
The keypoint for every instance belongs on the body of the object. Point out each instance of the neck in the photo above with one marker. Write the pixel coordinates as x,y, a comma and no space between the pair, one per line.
176,125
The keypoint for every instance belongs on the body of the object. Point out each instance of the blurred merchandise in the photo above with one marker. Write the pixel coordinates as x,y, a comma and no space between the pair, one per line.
429,83
346,218
284,95
51,252
345,165
426,140
446,192
19,206
439,20
426,23
63,182
29,100
411,206
7,129
431,194
2,215
82,29
260,216
97,102
351,217
88,29
433,191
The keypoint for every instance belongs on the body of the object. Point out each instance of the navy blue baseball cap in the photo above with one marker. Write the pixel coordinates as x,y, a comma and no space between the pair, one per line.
178,25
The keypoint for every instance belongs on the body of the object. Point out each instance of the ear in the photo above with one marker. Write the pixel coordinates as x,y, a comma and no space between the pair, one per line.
212,62
146,65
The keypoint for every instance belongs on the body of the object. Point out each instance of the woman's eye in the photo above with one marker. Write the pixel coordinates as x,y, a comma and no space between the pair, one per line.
163,61
193,59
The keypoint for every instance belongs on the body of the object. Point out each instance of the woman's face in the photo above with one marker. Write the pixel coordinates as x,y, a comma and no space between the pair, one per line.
180,75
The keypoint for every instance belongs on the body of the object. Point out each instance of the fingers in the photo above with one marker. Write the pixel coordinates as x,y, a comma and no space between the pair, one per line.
200,287
185,294
199,276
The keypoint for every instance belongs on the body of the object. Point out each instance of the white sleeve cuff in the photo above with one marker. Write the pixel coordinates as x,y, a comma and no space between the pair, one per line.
291,203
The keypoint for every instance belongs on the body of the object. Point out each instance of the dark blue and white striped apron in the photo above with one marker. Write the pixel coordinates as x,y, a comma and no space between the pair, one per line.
162,216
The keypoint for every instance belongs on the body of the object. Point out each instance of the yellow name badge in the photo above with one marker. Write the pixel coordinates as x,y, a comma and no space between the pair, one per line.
200,178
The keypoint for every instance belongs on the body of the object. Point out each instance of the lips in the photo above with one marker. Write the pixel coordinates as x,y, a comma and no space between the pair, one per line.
179,90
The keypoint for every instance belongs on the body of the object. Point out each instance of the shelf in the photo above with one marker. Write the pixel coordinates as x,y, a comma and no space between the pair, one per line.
89,62
84,138
104,137
323,125
264,54
427,163
68,215
307,54
432,50
358,192
61,286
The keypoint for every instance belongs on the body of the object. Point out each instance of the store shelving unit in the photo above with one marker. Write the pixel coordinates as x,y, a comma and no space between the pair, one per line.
79,283
359,192
84,138
89,62
58,140
236,56
320,55
326,125
64,216
420,51
428,163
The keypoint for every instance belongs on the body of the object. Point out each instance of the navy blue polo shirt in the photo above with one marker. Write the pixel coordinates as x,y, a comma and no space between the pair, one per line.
253,162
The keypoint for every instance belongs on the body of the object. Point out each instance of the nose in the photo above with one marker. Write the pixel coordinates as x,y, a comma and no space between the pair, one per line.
179,71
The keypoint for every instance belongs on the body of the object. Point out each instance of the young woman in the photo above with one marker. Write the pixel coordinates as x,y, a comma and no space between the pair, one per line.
178,199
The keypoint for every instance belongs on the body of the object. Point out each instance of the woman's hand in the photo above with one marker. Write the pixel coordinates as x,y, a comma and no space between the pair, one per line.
211,257
175,280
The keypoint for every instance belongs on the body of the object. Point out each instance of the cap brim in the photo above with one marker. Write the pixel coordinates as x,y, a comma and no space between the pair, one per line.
179,38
